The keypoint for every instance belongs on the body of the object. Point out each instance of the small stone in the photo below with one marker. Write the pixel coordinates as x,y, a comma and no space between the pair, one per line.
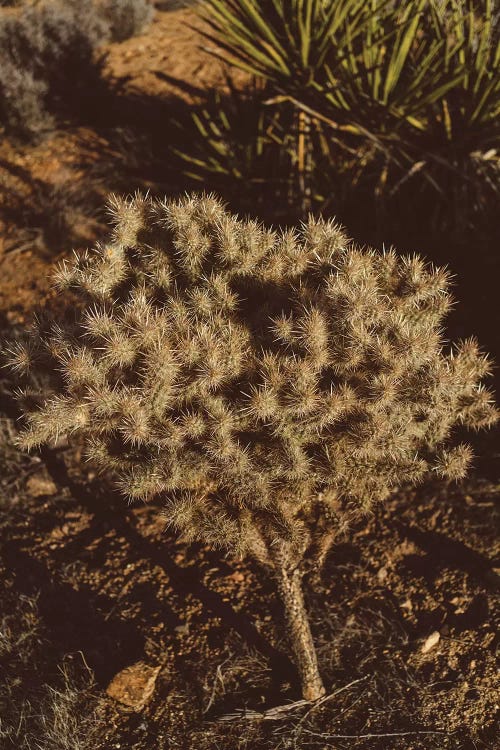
134,685
41,485
382,574
431,642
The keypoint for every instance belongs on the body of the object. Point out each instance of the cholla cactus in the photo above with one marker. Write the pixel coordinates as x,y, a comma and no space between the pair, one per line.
271,386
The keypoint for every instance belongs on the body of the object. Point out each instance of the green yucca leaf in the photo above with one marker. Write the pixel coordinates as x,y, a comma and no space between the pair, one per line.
401,50
241,21
488,104
241,139
434,95
475,53
278,40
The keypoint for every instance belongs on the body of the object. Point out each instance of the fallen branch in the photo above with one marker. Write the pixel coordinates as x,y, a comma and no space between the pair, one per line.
271,714
279,712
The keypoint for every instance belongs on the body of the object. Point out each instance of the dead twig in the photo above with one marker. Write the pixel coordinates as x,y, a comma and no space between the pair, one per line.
370,735
327,698
279,712
272,714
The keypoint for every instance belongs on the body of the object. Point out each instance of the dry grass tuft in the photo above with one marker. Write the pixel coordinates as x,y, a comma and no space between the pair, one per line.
35,715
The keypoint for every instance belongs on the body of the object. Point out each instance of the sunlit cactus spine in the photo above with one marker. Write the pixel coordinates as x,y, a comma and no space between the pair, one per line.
269,385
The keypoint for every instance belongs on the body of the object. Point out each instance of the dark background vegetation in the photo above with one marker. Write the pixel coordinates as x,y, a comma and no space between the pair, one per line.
90,586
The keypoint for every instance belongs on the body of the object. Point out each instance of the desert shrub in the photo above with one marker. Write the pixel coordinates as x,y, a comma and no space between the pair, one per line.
52,61
270,386
61,40
53,48
126,18
22,101
412,87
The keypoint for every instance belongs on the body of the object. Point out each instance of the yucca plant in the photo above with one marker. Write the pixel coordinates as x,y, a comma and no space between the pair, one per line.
351,64
293,46
460,132
266,158
411,86
269,386
262,157
285,42
392,73
431,98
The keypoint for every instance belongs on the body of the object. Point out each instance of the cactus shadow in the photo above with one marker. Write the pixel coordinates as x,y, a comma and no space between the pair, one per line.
183,581
441,551
73,618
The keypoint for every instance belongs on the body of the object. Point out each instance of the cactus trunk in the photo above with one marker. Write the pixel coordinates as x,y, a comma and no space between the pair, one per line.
290,589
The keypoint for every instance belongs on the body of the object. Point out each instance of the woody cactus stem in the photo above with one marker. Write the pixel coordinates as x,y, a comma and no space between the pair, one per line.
289,584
